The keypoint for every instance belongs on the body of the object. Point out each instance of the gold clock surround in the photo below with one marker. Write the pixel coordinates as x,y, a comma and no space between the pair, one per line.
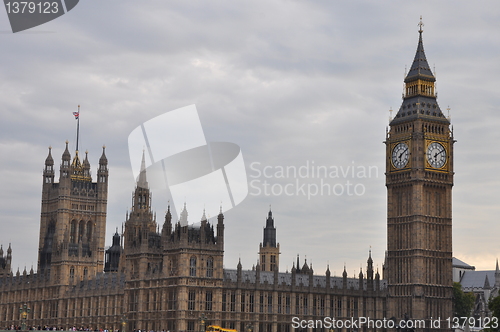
445,145
394,168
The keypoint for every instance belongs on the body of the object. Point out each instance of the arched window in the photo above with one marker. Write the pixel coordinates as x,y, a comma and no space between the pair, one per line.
210,267
81,229
72,272
89,231
192,267
85,272
72,236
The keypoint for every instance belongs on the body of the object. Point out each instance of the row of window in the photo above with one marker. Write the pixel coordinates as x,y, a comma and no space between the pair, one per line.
83,207
265,304
209,273
80,231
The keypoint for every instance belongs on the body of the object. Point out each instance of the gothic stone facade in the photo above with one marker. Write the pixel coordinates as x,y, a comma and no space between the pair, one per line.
163,280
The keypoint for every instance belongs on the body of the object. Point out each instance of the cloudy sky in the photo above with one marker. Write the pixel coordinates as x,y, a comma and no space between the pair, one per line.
293,83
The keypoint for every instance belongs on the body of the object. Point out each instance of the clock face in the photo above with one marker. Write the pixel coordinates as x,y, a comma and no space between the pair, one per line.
436,155
400,155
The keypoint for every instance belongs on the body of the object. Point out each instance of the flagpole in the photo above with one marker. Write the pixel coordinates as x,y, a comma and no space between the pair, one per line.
77,128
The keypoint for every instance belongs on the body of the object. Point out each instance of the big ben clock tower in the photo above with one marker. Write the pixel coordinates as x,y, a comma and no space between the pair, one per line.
419,180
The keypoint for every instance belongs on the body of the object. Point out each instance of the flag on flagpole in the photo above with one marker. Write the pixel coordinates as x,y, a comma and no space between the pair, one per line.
76,114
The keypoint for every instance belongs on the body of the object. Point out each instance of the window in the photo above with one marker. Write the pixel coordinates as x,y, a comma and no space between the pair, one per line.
171,300
191,300
297,305
233,301
242,301
438,204
81,228
192,267
210,267
269,303
208,301
89,231
251,300
173,266
72,272
355,308
72,236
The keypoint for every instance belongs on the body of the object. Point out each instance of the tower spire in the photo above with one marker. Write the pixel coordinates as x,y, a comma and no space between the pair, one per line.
419,97
420,68
142,181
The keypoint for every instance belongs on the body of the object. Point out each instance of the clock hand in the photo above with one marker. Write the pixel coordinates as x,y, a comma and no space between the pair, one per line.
402,153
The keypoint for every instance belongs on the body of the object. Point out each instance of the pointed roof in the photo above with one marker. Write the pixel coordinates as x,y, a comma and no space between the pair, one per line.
486,283
168,215
420,68
184,216
420,100
76,160
142,181
103,160
49,161
86,163
270,219
305,268
66,155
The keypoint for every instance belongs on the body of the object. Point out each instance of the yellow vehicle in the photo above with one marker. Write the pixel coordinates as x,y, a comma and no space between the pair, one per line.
215,328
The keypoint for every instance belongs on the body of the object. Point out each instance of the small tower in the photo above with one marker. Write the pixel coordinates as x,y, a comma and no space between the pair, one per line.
112,260
72,220
142,244
369,272
5,262
269,250
48,172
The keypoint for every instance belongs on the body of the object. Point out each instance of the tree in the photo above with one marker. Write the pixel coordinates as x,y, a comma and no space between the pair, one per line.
494,306
462,302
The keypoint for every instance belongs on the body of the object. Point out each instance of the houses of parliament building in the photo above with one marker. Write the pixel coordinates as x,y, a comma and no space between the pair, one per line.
172,277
